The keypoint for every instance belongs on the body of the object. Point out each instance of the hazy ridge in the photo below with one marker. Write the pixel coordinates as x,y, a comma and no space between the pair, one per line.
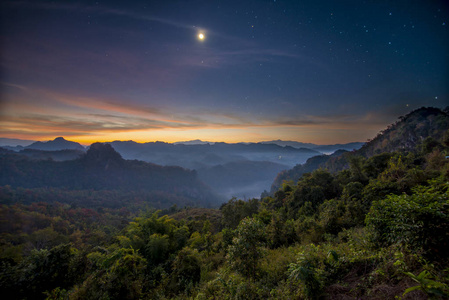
241,170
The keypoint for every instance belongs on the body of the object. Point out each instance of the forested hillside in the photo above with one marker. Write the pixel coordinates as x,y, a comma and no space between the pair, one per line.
57,155
376,229
420,128
409,132
103,169
231,170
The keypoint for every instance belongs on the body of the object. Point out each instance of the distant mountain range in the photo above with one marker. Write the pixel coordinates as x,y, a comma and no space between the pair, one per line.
5,142
197,156
194,142
57,144
60,143
241,169
325,149
58,155
102,168
224,167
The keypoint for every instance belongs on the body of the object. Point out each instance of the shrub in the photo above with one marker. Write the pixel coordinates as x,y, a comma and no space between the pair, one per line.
419,221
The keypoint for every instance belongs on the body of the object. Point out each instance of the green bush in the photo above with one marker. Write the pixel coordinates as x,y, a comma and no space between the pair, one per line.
246,248
419,221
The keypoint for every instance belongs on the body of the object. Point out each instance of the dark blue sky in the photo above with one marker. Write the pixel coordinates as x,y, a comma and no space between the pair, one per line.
311,71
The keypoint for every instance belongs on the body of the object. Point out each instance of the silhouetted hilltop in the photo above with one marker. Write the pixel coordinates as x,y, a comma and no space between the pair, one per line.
409,132
58,143
103,155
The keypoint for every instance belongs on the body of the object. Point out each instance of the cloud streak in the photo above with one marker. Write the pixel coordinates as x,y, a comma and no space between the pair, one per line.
245,50
99,9
116,118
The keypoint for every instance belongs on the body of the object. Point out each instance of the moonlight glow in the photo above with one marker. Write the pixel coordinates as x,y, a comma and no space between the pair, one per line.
201,36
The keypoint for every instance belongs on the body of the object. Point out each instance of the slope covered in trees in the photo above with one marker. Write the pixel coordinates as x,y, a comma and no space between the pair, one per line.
102,168
240,170
57,155
376,230
421,128
371,233
409,132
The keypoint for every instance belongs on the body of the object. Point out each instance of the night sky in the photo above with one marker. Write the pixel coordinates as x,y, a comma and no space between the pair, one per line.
310,71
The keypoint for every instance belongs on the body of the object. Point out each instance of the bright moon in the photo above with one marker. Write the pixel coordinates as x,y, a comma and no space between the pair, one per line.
201,36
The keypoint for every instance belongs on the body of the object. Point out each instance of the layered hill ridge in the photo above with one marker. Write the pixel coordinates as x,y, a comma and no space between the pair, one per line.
102,168
196,156
240,170
326,149
233,170
15,142
406,135
58,143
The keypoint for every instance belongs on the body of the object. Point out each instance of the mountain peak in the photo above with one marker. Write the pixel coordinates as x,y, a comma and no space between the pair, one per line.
193,142
100,153
58,143
409,131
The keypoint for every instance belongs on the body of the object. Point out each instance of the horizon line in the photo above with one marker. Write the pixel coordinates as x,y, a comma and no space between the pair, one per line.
167,142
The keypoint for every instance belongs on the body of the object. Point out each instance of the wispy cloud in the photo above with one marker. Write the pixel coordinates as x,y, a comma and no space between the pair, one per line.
246,50
100,9
91,114
105,104
13,85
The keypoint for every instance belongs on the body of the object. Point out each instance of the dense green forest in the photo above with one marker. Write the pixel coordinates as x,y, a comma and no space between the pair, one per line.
369,224
100,178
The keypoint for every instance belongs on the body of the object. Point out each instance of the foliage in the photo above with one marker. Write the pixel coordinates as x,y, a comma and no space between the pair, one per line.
117,275
305,270
362,232
42,270
419,220
236,210
432,288
186,270
246,248
102,168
